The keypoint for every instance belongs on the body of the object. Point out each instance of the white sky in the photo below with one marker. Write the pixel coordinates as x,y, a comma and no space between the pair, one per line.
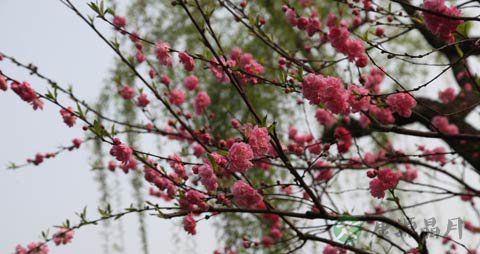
36,198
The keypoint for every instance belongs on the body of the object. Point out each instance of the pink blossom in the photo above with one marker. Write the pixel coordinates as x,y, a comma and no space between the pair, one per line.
314,25
152,73
235,123
3,83
26,93
142,100
377,188
189,224
402,103
259,141
68,117
76,142
324,175
410,174
380,31
386,179
127,92
63,236
20,250
165,79
443,27
37,248
131,164
291,16
325,117
437,154
119,21
112,165
198,150
190,82
162,51
275,233
176,164
207,177
202,101
187,61
176,97
344,139
250,66
447,95
140,56
329,249
218,72
235,53
244,195
39,157
240,156
121,152
315,149
327,90
358,98
352,48
442,124
374,79
383,115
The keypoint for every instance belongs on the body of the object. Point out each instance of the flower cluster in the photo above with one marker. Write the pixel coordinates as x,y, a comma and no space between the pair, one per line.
189,224
402,103
26,93
190,82
207,176
202,101
447,95
121,152
142,100
162,51
258,140
63,236
176,164
352,48
244,195
441,26
386,179
187,61
32,248
325,117
68,117
311,24
344,139
240,156
442,124
327,90
127,92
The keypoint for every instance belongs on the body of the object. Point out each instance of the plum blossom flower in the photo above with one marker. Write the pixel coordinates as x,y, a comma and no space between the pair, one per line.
63,236
443,27
240,156
190,82
202,101
244,195
187,61
142,100
259,141
189,224
176,97
402,103
127,92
